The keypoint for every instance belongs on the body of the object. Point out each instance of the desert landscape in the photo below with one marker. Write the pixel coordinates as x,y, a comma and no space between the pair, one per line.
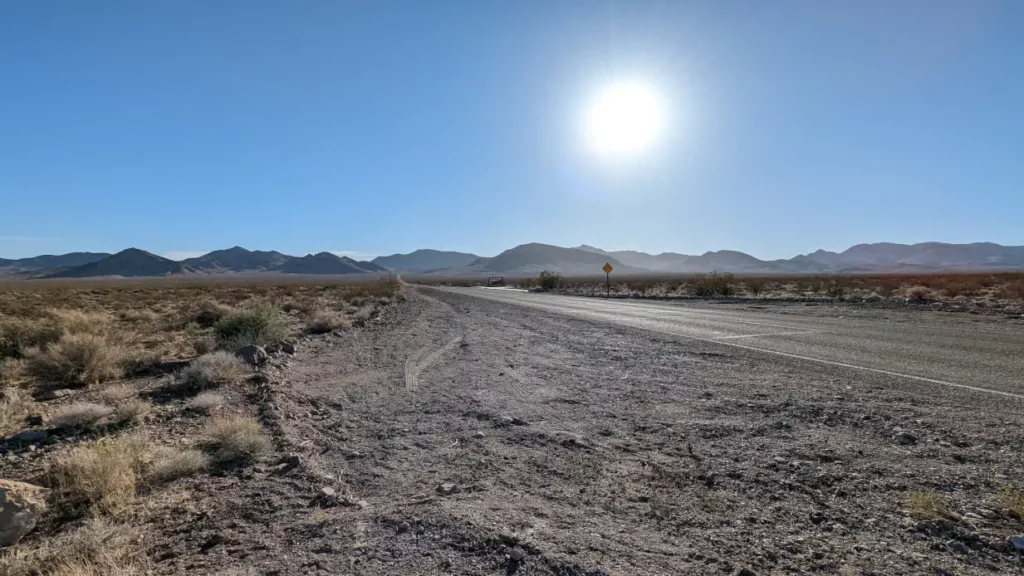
294,426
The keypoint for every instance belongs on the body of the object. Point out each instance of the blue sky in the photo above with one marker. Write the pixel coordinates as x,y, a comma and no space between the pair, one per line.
379,127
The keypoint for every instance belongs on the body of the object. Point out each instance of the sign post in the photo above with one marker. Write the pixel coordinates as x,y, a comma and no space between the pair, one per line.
607,279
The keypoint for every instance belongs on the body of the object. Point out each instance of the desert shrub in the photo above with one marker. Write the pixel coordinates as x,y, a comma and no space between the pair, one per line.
834,289
261,325
117,393
926,506
170,464
10,371
755,286
324,321
207,314
131,411
80,415
18,335
211,369
1013,500
526,283
235,439
14,407
710,285
97,548
138,316
205,402
359,317
76,359
919,293
549,280
102,474
290,306
82,322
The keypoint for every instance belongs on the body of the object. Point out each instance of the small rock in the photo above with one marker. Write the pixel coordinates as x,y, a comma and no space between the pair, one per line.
253,355
288,347
746,572
447,489
35,420
29,436
479,435
403,527
779,460
958,547
906,438
1017,541
516,554
21,506
519,422
54,394
503,422
327,497
273,349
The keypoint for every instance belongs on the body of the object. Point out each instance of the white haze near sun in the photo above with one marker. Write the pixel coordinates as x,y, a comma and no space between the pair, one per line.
624,119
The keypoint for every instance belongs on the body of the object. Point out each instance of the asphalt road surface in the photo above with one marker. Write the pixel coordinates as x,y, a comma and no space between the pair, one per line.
987,359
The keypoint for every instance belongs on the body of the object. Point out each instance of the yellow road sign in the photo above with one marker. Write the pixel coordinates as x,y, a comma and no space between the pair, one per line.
607,268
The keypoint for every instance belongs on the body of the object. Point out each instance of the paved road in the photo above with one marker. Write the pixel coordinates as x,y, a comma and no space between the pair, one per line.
989,360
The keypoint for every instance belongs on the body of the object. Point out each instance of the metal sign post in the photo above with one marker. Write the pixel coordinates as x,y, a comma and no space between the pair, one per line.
607,279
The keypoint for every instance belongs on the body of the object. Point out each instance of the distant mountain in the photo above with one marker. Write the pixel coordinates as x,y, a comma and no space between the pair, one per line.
322,263
424,260
530,259
535,258
127,263
51,262
371,267
664,262
236,259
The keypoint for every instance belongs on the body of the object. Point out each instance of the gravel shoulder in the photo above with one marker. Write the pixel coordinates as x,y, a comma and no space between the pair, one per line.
467,436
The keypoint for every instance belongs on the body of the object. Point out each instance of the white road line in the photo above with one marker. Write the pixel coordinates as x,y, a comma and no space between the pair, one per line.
768,334
414,368
842,364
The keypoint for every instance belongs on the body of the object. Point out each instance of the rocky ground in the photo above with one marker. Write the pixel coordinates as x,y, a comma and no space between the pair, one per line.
455,435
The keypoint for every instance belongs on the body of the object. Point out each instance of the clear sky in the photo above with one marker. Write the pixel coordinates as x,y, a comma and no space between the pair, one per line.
182,126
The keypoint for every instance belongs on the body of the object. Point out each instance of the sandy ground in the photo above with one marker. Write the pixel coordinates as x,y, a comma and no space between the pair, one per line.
471,436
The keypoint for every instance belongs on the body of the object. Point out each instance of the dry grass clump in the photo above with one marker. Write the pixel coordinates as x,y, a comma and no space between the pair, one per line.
236,439
19,335
926,506
170,464
76,360
131,412
14,407
324,321
919,293
205,402
74,321
80,415
117,393
209,313
102,475
10,371
261,326
211,370
143,316
97,548
1013,500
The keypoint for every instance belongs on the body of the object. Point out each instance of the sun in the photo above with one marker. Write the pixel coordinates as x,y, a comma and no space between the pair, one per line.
624,118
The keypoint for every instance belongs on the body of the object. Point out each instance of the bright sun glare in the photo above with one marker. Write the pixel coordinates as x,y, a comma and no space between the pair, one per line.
624,118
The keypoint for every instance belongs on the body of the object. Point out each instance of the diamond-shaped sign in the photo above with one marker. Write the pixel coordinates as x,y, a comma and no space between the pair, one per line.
607,268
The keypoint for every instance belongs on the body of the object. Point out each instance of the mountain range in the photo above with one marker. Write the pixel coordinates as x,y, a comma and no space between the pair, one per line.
526,259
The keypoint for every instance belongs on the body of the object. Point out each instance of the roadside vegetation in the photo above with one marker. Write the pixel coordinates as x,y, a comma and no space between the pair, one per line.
113,393
999,291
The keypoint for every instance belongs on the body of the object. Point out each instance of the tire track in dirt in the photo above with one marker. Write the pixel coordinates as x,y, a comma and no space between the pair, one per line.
414,367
